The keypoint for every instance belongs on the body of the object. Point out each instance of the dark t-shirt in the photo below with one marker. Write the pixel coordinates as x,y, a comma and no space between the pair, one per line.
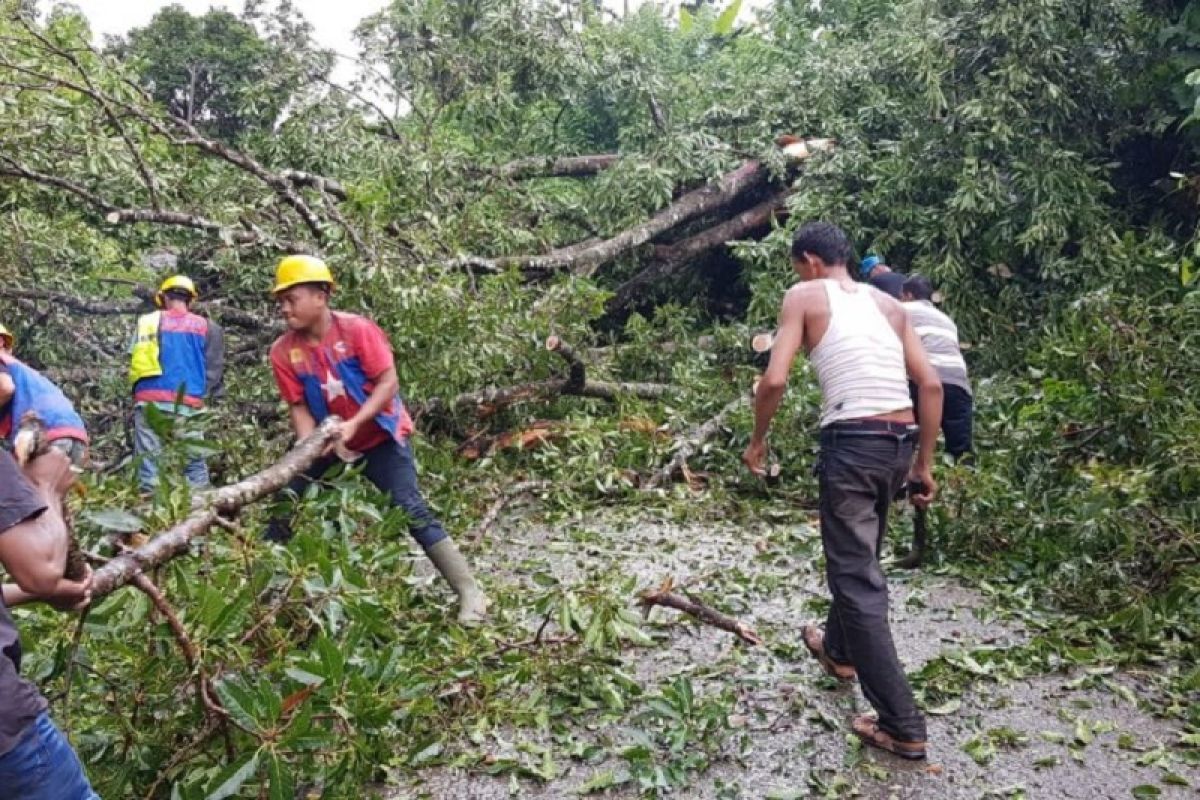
890,282
20,701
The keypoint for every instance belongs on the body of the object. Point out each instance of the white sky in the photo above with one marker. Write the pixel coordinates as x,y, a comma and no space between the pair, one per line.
333,21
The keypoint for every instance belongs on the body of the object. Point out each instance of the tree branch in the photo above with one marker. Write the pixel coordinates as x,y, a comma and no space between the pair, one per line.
672,259
663,596
523,169
224,501
585,259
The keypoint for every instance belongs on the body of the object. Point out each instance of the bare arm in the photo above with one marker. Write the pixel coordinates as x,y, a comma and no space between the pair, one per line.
386,386
929,409
773,383
302,420
34,552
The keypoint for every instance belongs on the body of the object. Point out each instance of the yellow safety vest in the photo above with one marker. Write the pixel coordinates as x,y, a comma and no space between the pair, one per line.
143,361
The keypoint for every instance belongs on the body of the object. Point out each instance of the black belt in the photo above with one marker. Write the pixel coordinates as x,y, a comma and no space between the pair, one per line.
904,431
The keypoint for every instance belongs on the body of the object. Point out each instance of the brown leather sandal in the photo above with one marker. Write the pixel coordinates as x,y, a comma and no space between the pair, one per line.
867,728
814,640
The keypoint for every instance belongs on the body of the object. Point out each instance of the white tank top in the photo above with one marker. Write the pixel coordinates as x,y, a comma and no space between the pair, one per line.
860,359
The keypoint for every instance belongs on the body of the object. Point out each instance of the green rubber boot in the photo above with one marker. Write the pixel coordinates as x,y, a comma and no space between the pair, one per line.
472,603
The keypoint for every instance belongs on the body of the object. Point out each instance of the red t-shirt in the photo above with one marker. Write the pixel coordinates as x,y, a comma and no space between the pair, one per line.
336,375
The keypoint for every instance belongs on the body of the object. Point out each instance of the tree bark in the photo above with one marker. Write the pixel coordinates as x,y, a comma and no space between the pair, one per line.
222,502
663,596
670,260
585,259
226,315
523,169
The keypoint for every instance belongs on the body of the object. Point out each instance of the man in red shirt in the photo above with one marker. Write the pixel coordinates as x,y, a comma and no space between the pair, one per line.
332,362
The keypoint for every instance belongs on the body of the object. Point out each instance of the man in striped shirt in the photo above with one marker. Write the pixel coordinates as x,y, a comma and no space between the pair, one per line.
939,335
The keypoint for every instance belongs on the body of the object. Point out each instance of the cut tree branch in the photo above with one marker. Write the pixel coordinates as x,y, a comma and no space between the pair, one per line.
222,502
664,596
584,259
554,167
672,259
328,186
226,315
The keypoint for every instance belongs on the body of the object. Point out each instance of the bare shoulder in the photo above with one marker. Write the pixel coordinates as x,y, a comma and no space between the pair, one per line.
805,296
892,308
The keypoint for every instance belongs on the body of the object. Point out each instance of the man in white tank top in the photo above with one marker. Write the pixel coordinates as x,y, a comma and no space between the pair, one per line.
864,352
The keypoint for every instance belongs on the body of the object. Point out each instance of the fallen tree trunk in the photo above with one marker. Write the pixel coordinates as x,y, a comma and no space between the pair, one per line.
671,259
691,443
330,186
664,596
554,166
585,259
222,502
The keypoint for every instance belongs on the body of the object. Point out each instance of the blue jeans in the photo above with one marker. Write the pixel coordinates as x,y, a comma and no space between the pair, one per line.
146,446
43,767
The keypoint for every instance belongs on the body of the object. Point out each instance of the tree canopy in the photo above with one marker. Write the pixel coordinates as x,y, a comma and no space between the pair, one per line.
505,170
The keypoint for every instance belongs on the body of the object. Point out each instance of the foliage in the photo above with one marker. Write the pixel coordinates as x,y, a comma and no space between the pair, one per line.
1021,153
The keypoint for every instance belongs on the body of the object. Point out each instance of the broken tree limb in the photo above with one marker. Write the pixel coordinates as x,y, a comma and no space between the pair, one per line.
672,259
224,501
226,315
554,166
585,259
577,377
329,186
204,689
664,596
693,441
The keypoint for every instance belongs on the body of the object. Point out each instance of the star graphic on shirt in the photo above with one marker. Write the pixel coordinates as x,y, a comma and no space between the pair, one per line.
333,388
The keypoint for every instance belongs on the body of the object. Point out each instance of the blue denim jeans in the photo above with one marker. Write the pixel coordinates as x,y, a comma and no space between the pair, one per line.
146,446
43,767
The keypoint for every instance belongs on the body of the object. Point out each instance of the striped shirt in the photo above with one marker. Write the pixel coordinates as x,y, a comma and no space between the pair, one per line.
939,336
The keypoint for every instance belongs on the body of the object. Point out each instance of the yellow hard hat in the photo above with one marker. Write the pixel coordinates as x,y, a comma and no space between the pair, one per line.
6,337
181,282
295,270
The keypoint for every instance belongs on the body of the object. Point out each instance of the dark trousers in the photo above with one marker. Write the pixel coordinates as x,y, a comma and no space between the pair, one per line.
859,474
958,415
391,468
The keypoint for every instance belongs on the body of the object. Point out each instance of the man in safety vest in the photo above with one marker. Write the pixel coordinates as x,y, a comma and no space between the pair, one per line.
177,363
332,362
23,389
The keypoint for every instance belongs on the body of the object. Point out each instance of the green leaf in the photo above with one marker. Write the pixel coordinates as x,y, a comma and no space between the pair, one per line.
949,707
686,20
281,786
724,23
114,519
1146,790
605,779
230,780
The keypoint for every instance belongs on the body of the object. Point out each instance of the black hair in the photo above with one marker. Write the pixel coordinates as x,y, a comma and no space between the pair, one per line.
824,240
919,287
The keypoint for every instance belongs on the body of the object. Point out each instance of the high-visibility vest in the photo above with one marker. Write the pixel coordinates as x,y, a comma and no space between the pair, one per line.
143,362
